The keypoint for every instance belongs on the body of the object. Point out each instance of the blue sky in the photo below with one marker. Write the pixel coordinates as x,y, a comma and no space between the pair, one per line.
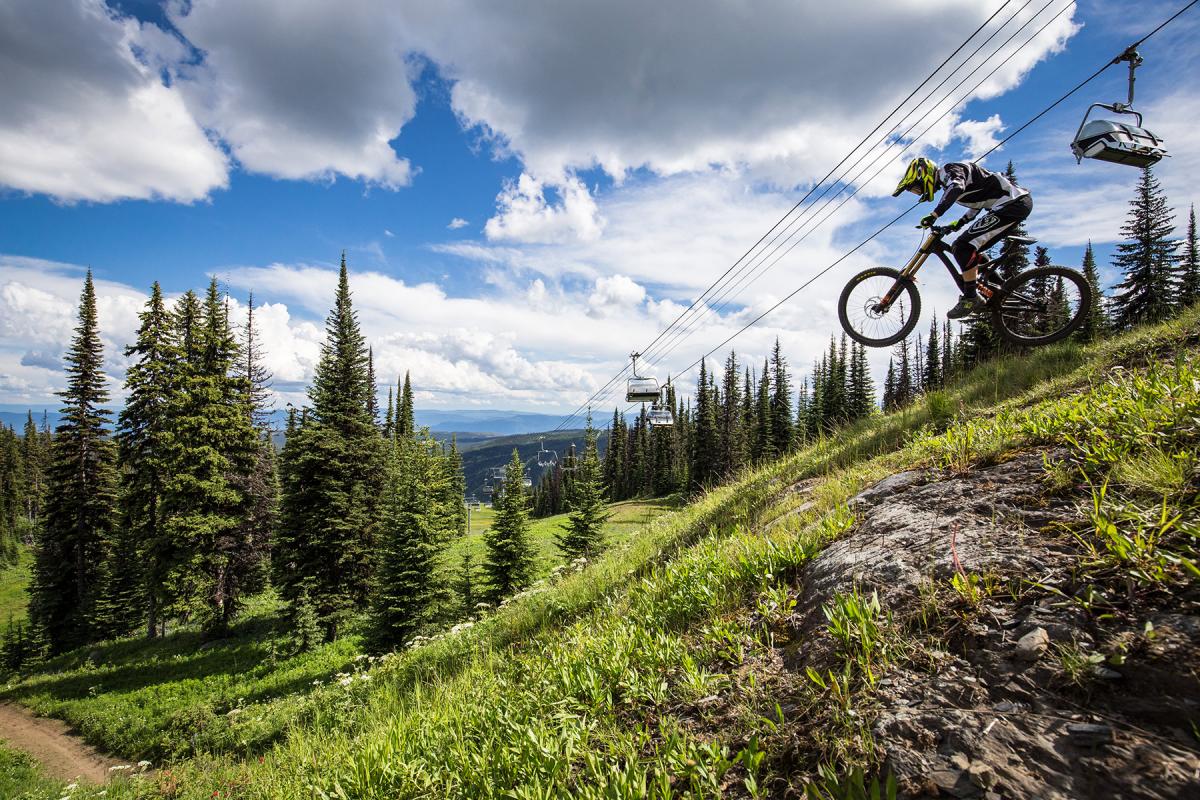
604,164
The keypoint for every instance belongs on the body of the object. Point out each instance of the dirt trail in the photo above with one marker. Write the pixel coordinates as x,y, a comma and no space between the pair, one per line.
62,753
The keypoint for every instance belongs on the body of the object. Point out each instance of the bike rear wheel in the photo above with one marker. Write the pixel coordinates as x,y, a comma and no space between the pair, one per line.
1041,306
861,312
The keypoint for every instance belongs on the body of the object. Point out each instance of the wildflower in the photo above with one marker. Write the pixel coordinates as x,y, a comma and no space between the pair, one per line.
118,767
144,764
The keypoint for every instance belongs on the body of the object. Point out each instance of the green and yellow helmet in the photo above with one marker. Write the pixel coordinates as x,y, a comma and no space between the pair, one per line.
920,178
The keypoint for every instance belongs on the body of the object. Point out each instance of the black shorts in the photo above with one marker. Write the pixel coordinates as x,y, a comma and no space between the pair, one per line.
989,228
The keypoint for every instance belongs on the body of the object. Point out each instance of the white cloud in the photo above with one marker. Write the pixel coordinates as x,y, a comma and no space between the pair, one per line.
388,233
302,90
524,215
979,134
456,223
84,119
614,294
674,90
316,91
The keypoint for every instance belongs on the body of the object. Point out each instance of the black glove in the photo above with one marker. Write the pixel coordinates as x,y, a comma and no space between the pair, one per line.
927,221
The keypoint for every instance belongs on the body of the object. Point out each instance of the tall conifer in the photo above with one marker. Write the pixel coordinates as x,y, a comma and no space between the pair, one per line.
1148,292
81,499
508,563
143,429
332,478
583,535
1189,264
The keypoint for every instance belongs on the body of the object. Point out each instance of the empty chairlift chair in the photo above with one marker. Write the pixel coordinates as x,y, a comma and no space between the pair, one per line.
660,417
640,389
1115,141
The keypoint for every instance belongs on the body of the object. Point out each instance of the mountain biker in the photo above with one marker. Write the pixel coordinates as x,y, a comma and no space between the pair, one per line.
976,188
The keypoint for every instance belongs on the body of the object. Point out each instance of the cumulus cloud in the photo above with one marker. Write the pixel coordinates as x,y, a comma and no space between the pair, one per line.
979,134
524,215
302,90
456,223
85,119
675,92
614,294
315,91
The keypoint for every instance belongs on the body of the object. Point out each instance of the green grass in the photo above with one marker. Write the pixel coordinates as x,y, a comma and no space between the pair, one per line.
627,518
169,698
22,779
14,580
590,683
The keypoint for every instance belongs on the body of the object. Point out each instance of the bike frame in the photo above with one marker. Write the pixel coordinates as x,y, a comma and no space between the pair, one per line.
935,245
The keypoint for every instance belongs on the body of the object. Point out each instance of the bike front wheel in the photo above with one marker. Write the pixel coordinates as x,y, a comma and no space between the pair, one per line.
879,307
1041,306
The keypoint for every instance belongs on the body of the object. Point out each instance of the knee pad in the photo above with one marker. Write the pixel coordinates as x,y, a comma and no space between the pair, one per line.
964,253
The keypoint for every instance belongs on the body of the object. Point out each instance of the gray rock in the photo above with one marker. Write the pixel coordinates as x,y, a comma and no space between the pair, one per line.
888,486
981,775
1032,645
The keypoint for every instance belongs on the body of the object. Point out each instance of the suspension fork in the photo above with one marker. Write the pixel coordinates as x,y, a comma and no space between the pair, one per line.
910,271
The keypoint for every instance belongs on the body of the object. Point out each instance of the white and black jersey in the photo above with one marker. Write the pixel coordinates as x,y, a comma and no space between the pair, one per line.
976,188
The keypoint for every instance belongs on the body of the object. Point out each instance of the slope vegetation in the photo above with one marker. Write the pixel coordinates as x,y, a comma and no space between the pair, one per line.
994,590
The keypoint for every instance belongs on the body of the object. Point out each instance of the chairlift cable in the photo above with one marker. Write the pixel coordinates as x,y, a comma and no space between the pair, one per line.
802,200
763,266
845,158
995,147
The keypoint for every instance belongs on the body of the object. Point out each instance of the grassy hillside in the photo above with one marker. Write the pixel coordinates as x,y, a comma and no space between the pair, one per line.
179,695
658,670
14,580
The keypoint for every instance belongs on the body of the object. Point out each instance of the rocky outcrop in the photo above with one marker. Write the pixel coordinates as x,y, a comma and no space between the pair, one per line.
1027,694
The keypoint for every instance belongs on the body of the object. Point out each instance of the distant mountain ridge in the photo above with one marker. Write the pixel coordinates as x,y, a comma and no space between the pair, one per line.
495,422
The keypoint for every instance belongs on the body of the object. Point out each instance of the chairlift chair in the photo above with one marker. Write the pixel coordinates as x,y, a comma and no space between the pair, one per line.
640,389
1114,141
545,458
660,417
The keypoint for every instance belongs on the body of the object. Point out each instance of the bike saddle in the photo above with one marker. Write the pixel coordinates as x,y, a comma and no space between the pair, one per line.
1021,239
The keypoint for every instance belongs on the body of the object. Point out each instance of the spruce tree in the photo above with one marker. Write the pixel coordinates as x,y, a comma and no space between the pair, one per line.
931,379
861,386
389,419
889,386
508,563
33,458
764,428
372,398
12,494
212,458
1148,292
583,535
782,431
143,428
466,583
404,587
730,436
1095,324
81,498
704,448
405,425
1189,265
332,478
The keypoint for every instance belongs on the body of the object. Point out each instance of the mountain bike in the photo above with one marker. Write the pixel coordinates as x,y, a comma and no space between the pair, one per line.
881,306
